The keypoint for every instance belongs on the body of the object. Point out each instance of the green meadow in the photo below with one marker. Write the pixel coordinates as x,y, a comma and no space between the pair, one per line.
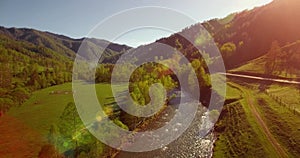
36,115
240,134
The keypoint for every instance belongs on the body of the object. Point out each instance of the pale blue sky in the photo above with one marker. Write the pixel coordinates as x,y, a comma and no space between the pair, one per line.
75,18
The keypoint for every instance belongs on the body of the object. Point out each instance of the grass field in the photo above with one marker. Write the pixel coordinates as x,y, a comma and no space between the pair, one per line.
254,66
284,125
257,66
237,131
237,123
287,94
44,107
230,92
24,129
235,135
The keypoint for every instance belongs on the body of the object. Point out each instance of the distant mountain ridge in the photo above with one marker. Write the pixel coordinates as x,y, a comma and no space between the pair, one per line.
64,45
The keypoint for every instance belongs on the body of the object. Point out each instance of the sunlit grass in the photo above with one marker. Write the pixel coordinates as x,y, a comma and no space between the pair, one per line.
42,110
282,122
249,139
289,95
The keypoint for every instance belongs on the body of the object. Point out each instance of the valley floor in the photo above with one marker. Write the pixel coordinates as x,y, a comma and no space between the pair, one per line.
24,129
252,124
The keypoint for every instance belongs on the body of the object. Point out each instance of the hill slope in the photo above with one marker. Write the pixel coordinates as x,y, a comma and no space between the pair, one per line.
31,60
251,32
286,63
61,44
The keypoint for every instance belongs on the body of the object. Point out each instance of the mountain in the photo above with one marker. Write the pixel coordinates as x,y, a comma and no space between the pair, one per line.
64,45
253,31
243,36
32,60
247,35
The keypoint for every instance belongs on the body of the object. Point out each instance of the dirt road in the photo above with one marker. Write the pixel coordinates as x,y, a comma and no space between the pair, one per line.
278,148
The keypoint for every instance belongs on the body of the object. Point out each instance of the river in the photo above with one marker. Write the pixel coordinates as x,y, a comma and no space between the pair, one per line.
189,144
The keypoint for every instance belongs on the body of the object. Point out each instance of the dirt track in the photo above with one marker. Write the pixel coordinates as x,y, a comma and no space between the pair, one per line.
280,151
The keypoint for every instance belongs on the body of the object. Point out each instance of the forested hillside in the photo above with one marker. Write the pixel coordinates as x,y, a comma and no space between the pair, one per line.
32,60
249,34
26,67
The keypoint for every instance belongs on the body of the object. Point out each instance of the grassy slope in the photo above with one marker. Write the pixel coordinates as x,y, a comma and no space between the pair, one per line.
240,135
284,92
253,66
257,66
26,127
43,108
282,123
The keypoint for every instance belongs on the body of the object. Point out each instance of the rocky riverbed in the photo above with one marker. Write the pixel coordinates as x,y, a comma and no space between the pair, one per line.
189,144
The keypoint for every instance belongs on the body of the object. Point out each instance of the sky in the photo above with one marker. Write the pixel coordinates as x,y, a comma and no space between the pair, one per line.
76,18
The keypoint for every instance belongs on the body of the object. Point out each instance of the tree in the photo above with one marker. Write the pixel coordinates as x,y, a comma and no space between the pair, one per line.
34,76
20,94
282,63
53,135
73,135
48,151
228,49
5,75
69,126
271,58
24,74
103,73
43,81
